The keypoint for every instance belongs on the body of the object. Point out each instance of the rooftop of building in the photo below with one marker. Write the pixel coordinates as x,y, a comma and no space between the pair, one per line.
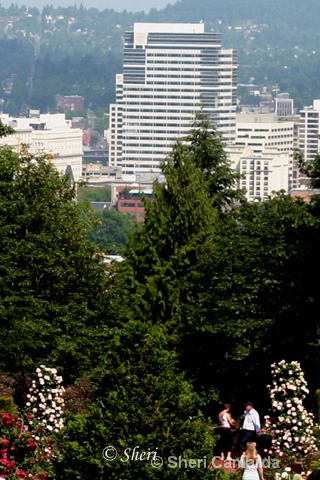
39,122
141,27
259,118
101,205
315,106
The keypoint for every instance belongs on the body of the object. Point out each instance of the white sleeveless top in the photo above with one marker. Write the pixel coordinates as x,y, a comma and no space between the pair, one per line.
224,421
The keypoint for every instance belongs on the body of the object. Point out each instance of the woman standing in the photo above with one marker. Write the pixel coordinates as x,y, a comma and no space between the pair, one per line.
251,463
226,422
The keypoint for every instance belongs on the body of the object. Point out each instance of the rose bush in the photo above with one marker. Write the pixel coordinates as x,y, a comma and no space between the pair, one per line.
45,399
290,424
27,446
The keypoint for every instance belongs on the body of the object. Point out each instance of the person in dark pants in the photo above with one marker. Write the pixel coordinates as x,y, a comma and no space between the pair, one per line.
226,422
251,425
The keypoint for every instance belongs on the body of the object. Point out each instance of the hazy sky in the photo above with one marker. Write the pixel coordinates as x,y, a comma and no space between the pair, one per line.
118,5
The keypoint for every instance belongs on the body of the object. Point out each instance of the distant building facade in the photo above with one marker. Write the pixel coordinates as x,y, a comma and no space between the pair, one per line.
309,130
132,203
264,174
51,134
170,72
264,154
114,133
97,173
70,103
263,131
284,105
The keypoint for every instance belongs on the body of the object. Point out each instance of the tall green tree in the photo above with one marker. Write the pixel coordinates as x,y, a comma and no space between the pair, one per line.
160,260
162,279
141,404
52,282
209,156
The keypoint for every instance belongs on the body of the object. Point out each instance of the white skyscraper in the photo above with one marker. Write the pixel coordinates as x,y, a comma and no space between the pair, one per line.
170,72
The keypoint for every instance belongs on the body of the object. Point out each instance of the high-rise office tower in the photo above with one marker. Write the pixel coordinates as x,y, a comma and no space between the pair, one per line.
170,72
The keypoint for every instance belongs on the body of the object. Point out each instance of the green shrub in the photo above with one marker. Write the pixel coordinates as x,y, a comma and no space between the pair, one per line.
7,405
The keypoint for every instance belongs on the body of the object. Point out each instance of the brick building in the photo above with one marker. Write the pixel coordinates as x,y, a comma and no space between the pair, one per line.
70,103
130,201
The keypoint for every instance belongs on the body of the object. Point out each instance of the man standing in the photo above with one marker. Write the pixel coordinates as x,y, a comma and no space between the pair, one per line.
251,424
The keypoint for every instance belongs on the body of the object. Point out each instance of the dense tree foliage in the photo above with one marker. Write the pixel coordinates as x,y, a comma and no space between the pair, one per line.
140,400
226,283
210,293
113,231
257,292
176,236
209,156
94,194
52,282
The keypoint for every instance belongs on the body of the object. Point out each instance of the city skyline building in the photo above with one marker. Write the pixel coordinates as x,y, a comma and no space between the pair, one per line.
264,131
264,173
170,72
51,134
264,153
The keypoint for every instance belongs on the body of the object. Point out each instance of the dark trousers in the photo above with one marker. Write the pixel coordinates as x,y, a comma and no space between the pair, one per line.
226,440
247,436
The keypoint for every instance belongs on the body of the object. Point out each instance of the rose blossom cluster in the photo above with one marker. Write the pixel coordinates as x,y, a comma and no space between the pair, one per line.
291,426
45,399
21,455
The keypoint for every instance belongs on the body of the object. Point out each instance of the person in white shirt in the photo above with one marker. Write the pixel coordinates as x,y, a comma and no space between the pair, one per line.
226,422
251,424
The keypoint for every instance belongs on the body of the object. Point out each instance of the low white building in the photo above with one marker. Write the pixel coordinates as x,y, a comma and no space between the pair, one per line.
264,154
51,134
263,173
22,135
